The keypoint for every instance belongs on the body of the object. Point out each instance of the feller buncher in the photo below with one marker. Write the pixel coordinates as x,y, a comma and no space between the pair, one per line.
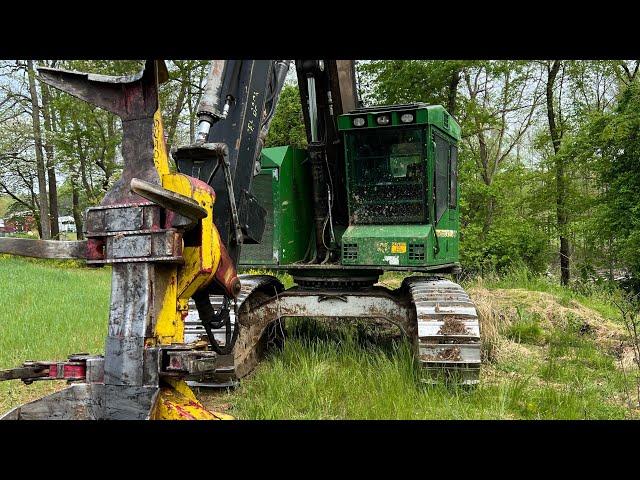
375,191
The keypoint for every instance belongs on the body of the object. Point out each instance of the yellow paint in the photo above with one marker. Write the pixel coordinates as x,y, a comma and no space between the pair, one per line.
176,401
160,156
169,327
200,262
398,247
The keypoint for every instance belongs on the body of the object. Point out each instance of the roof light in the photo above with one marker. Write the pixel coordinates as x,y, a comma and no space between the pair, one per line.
406,118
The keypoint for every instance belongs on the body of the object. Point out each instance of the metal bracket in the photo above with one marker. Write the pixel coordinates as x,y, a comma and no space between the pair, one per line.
322,298
78,368
180,360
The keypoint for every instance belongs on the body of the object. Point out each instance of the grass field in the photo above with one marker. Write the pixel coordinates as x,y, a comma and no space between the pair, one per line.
49,310
549,354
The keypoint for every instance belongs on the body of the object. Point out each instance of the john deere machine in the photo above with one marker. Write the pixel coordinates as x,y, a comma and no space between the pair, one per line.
375,191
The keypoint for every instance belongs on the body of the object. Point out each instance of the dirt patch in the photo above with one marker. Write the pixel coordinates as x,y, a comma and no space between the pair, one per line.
498,309
215,400
627,358
516,352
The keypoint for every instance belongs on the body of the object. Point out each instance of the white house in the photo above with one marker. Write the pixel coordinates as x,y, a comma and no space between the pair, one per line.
66,224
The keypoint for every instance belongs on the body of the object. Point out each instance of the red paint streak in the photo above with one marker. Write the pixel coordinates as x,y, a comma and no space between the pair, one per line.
196,183
184,413
95,248
226,276
68,371
168,219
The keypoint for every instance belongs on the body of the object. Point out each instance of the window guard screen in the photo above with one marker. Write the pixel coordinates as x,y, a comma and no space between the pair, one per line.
453,177
387,175
441,175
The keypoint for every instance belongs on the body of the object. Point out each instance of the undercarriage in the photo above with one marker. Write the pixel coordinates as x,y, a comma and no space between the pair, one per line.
434,314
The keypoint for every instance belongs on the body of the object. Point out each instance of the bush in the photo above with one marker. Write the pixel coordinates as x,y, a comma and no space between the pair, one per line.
506,247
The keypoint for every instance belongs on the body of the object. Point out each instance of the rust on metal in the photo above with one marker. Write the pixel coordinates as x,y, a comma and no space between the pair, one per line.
27,247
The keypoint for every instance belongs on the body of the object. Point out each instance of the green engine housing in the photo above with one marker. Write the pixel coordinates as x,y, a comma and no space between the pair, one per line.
402,190
282,187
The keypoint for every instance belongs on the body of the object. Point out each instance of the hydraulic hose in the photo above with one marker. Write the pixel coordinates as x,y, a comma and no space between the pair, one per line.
212,320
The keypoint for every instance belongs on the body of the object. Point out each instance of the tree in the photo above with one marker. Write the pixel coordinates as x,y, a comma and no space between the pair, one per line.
48,115
43,200
403,81
609,145
287,126
179,98
501,100
18,173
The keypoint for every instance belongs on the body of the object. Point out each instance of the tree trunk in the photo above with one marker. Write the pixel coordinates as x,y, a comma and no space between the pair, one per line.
45,221
53,203
175,114
51,171
192,122
88,188
561,185
75,207
453,92
488,220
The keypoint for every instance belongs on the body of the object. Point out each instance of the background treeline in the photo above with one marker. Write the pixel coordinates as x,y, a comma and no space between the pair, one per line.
549,160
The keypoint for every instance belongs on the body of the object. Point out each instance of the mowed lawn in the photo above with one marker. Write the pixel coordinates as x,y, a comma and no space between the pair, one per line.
48,310
547,356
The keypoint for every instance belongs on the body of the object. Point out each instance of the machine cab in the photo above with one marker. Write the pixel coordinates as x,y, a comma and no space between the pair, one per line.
401,167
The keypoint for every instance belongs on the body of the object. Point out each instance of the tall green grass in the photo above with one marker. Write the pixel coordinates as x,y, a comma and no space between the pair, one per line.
337,373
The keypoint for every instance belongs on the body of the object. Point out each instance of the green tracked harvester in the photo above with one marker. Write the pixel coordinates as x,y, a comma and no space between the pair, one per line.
399,211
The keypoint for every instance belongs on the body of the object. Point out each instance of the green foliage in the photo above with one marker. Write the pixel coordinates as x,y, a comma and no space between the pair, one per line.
333,373
508,245
514,236
287,126
404,81
608,145
5,202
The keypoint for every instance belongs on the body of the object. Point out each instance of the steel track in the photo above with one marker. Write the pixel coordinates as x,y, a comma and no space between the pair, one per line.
448,330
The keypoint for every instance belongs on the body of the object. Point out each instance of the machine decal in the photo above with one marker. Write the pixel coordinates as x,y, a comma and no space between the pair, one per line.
392,259
398,247
446,233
